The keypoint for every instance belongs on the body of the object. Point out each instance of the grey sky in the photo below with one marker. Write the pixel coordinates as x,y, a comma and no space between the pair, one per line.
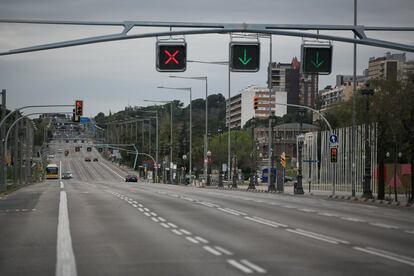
109,76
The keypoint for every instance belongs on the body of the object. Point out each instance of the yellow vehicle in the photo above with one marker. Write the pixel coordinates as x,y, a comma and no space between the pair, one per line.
52,171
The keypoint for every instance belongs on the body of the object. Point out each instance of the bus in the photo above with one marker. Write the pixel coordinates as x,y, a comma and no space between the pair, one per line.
52,171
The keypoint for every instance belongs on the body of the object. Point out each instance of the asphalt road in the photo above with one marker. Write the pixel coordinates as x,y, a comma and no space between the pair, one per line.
97,224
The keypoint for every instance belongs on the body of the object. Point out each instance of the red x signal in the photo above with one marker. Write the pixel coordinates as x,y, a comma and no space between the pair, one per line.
171,57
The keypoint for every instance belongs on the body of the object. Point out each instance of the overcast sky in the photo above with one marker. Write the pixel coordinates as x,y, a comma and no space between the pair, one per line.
112,75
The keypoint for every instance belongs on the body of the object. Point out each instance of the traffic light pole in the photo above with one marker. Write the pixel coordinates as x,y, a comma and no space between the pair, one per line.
3,183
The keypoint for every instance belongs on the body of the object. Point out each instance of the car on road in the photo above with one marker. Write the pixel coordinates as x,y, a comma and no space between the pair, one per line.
131,178
87,159
67,175
89,149
50,156
95,159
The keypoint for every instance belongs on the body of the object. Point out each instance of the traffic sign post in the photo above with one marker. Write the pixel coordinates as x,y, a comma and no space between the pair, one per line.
317,59
244,56
171,56
333,139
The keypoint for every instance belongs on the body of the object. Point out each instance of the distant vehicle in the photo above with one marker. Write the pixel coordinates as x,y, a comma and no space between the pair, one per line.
52,171
95,159
50,156
67,175
77,148
87,159
66,152
89,149
60,150
131,178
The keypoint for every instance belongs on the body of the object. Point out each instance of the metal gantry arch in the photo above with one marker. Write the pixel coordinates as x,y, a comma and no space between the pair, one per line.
195,28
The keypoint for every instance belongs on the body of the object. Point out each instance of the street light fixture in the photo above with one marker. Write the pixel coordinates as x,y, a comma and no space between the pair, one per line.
191,122
171,135
204,78
208,168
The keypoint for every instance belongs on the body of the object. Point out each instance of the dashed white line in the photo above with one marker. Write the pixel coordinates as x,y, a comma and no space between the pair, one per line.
387,255
192,240
317,236
201,239
227,211
383,225
62,186
146,209
135,205
327,214
307,210
140,205
161,219
257,268
239,266
142,210
288,206
177,232
172,225
352,219
154,214
185,232
222,250
410,231
235,211
211,250
155,219
147,214
165,225
266,222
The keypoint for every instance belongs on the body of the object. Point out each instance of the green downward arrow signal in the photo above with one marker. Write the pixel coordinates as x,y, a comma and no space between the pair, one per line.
245,60
317,63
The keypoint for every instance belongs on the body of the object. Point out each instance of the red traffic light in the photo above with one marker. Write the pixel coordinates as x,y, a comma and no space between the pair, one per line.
334,154
255,102
79,108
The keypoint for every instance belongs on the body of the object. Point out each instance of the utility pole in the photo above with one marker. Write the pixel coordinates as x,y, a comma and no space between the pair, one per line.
3,181
367,192
16,152
28,152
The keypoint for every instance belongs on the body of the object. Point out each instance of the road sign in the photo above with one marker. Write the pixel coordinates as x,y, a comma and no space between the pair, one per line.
244,56
171,56
333,139
317,59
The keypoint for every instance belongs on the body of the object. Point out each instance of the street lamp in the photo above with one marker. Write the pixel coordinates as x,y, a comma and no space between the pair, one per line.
253,157
227,63
367,193
184,170
191,123
208,168
301,138
204,78
171,133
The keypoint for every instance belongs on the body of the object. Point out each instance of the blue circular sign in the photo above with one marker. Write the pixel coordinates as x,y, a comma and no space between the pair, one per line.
333,138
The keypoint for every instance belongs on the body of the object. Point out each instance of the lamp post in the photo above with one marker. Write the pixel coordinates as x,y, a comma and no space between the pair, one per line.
252,158
171,134
184,170
204,78
188,89
271,183
301,138
220,180
367,193
208,168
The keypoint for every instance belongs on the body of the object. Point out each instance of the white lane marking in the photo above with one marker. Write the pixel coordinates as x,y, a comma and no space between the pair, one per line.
383,225
62,186
266,222
288,206
239,266
146,209
155,219
154,214
307,210
102,163
135,205
185,232
230,212
135,202
410,231
140,205
208,204
257,268
172,225
147,214
258,201
352,219
225,251
189,199
161,219
201,239
235,211
211,250
192,240
177,232
142,210
65,261
317,236
327,214
387,255
164,225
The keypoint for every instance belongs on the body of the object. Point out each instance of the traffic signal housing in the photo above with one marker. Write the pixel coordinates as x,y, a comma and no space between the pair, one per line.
334,154
255,102
79,108
171,56
75,118
317,59
244,56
